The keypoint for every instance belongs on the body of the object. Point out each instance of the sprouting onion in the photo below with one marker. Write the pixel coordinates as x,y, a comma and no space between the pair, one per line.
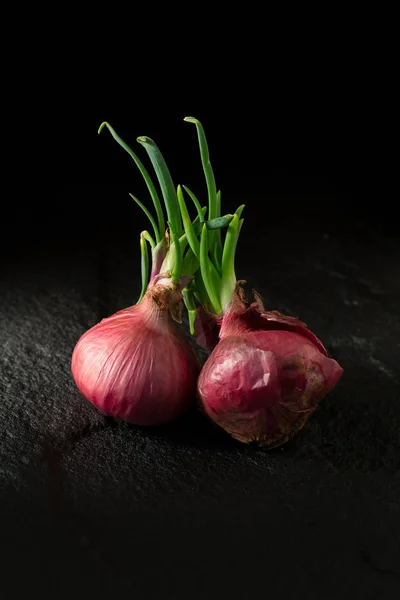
215,281
267,372
176,252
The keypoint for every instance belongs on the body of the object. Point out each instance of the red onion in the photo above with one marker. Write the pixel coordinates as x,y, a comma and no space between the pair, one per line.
266,376
136,364
267,372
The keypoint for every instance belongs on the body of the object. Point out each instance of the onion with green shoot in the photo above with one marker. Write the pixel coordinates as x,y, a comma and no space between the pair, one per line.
137,364
266,373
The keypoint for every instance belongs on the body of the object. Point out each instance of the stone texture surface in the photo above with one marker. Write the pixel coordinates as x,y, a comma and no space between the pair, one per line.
94,506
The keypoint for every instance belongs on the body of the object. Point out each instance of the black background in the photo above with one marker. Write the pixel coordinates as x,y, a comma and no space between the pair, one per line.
91,505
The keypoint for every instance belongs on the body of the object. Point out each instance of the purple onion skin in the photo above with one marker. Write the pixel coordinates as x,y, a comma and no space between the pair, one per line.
137,365
206,329
266,376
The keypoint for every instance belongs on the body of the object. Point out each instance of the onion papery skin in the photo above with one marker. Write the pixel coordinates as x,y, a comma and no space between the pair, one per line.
206,329
137,365
261,385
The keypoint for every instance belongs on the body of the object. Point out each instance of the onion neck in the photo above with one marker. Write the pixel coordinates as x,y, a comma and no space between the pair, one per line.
242,317
163,299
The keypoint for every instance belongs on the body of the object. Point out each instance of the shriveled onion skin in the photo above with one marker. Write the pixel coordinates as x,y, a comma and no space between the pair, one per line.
137,365
266,376
207,327
262,386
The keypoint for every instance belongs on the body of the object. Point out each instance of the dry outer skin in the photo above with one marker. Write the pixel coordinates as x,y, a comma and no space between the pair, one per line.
266,376
137,365
259,395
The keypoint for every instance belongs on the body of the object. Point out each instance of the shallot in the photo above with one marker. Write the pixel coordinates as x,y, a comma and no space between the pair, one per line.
266,373
266,376
137,365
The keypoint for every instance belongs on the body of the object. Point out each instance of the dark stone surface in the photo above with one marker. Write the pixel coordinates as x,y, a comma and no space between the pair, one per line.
90,505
